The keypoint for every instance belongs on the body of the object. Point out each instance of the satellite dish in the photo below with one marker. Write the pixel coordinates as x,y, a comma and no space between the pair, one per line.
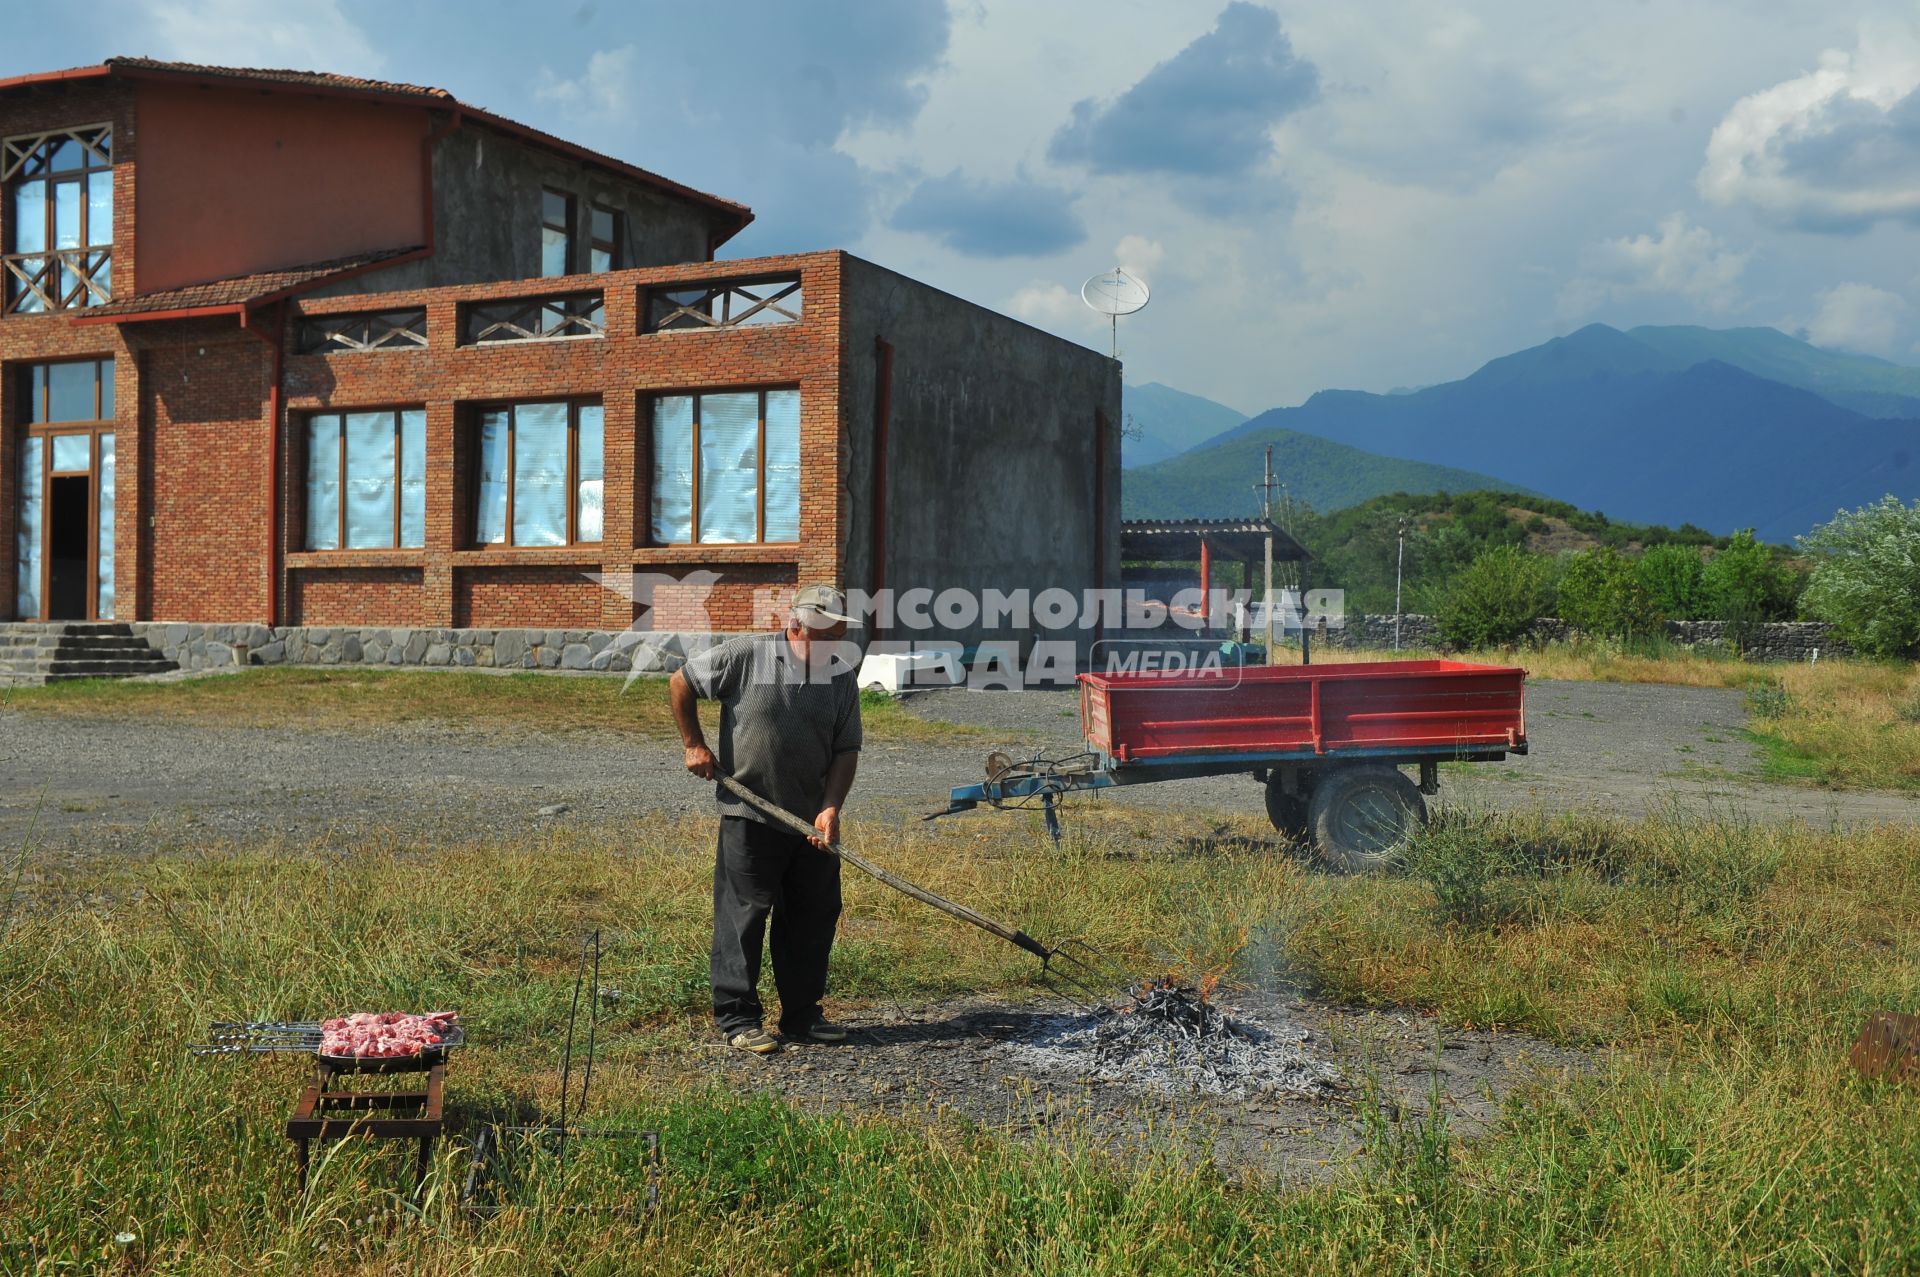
1114,293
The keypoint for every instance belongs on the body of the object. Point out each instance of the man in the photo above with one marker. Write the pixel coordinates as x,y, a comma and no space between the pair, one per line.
789,731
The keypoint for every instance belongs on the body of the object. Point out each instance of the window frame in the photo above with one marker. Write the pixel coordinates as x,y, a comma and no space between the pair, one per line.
574,404
35,423
610,246
760,465
340,461
15,153
566,227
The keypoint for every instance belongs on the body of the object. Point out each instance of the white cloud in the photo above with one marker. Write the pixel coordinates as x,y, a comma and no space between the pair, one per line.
1678,260
1858,317
601,88
1834,149
1054,307
313,36
1139,256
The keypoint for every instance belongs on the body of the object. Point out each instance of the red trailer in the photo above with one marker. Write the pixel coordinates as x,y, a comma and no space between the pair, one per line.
1326,741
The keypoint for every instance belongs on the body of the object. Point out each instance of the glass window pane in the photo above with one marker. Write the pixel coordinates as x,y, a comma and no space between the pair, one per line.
603,225
72,453
106,390
490,507
100,208
33,380
323,483
66,215
540,494
553,251
68,155
589,500
783,465
30,217
104,570
729,467
672,494
26,537
553,208
413,478
71,391
602,260
28,302
370,481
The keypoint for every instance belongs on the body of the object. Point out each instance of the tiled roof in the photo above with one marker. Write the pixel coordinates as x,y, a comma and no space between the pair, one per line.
325,82
241,289
278,75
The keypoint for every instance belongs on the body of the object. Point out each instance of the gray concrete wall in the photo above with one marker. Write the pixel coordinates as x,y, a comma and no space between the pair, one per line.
991,447
486,200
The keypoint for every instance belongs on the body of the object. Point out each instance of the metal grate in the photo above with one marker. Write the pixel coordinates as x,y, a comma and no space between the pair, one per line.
381,330
732,304
536,319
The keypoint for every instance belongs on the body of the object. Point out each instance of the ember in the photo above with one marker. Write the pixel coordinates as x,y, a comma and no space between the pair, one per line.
1174,1038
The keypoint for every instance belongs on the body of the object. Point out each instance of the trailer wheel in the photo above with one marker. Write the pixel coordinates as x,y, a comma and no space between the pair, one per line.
1288,812
1361,815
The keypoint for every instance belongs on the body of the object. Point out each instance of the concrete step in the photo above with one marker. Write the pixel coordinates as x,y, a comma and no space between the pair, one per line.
12,644
88,669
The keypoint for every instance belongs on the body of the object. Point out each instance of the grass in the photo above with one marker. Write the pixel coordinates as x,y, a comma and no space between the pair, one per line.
1727,964
1846,724
332,697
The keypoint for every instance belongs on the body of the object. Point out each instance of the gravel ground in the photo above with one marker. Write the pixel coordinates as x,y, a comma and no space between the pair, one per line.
83,784
970,1058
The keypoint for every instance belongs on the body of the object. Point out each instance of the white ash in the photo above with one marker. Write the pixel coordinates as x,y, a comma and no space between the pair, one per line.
1171,1041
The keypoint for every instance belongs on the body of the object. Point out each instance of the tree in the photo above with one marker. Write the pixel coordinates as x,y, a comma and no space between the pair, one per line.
1866,578
1601,593
1671,574
1742,586
1495,599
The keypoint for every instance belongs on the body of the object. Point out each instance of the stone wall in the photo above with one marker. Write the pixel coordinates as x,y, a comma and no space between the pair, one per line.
1773,641
207,647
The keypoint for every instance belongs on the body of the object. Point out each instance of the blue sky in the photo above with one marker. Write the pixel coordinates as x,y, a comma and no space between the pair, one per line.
1355,195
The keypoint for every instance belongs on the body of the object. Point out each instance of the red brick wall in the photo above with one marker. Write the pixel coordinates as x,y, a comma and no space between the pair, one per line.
204,399
526,598
356,596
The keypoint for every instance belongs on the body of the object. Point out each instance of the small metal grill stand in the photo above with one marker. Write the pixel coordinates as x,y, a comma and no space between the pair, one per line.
326,1114
491,1173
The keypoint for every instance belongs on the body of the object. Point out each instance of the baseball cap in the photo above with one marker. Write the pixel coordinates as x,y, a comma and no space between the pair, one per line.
823,600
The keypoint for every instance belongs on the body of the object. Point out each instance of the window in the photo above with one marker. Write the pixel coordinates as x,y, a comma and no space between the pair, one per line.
726,467
603,246
540,474
556,233
59,210
64,530
734,304
384,330
367,480
535,318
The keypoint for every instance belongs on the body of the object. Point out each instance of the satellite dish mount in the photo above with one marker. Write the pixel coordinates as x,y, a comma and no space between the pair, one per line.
1114,293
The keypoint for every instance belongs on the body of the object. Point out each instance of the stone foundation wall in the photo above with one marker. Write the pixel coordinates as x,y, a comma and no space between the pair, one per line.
204,647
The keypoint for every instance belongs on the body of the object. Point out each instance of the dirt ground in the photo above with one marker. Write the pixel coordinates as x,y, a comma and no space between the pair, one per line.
84,784
968,1059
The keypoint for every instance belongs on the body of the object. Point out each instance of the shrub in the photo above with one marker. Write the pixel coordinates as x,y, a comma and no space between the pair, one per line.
1866,582
1601,593
1742,586
1495,599
1671,574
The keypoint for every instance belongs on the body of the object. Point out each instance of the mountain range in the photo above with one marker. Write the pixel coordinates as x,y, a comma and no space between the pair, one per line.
1163,422
1722,428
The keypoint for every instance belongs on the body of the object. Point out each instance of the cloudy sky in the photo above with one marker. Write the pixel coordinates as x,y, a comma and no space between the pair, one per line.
1320,194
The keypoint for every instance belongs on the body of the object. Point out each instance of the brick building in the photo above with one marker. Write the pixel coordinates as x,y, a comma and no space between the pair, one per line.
284,348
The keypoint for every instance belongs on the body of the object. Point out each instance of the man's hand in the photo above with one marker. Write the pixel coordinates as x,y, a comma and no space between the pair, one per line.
700,761
828,823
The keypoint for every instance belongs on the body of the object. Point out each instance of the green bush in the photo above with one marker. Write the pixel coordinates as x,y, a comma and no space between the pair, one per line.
1602,594
1866,581
1743,586
1671,574
1495,600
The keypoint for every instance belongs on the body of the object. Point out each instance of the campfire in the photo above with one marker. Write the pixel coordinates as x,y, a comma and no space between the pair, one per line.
1173,1037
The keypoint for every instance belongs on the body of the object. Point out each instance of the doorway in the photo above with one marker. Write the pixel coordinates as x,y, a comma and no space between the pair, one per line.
68,556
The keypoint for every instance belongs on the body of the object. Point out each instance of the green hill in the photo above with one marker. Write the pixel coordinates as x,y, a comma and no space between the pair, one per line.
1164,422
1221,481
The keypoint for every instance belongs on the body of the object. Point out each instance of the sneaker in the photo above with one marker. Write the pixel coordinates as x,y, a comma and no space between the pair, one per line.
821,1030
756,1040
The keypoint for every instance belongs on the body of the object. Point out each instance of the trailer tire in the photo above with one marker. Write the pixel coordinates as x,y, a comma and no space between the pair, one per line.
1362,815
1288,812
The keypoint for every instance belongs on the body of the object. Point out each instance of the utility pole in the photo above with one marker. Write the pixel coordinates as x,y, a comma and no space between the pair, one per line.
1266,512
1399,571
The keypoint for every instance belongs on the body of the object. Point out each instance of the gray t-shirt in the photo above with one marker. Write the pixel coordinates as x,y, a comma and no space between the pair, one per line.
779,731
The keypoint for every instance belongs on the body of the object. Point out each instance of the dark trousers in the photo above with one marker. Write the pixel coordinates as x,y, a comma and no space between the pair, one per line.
760,870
